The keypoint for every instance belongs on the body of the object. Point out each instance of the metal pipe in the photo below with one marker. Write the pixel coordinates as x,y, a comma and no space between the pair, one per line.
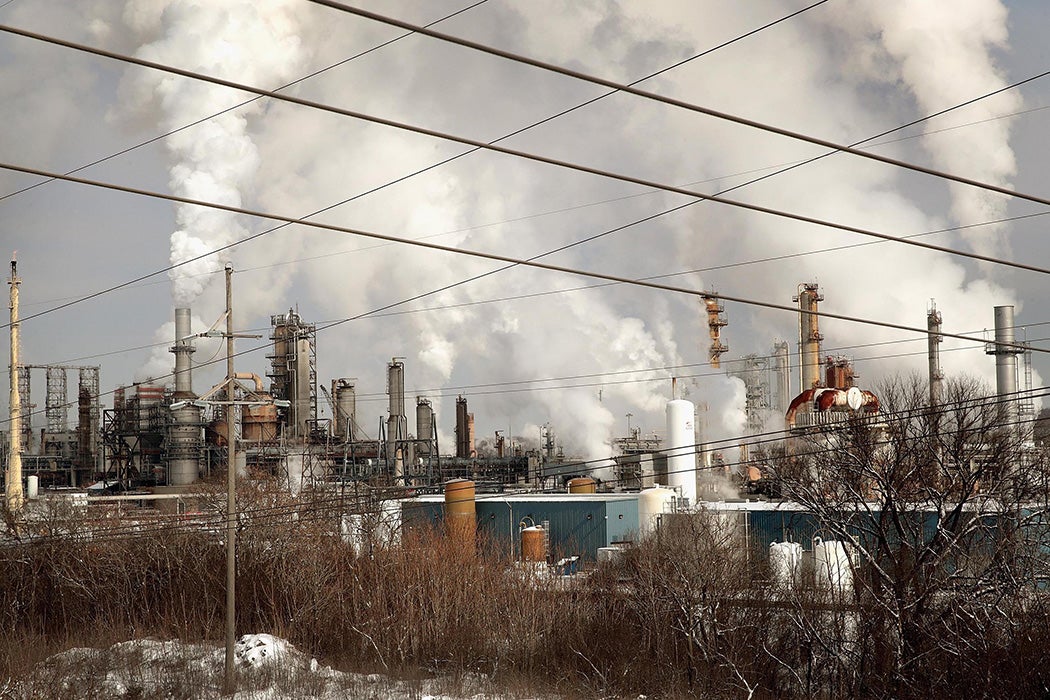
254,377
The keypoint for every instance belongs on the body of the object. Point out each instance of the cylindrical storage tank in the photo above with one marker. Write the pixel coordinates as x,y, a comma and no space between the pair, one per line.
831,565
681,448
345,397
785,562
259,423
460,516
652,504
583,484
533,544
424,426
32,486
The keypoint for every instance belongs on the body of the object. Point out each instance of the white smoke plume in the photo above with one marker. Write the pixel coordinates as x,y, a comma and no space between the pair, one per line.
588,339
946,56
250,41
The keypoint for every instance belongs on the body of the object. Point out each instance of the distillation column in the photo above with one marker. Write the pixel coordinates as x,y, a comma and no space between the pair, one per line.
396,423
809,334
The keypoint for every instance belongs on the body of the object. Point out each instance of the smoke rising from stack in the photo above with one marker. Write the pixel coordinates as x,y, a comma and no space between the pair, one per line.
614,329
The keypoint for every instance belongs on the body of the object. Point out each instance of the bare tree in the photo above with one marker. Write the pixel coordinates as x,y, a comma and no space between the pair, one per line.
943,509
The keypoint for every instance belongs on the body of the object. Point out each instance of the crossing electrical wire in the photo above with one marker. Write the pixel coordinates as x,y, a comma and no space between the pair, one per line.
486,256
422,170
579,75
184,127
471,142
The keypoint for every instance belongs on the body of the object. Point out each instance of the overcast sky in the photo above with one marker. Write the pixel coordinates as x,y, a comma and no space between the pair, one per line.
842,71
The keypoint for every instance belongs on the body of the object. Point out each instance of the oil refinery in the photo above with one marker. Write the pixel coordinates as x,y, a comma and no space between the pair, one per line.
164,439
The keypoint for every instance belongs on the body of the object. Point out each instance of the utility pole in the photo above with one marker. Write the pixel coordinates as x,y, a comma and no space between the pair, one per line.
14,463
231,493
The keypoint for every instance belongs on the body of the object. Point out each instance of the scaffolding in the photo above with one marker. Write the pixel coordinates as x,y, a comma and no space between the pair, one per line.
59,449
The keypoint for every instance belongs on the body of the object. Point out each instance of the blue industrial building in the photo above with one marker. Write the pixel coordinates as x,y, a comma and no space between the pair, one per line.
577,524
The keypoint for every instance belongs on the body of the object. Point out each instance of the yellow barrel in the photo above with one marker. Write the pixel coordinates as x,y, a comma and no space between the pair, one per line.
460,517
582,484
533,544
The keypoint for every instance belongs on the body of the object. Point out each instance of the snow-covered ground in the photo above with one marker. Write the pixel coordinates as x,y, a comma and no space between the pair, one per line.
269,668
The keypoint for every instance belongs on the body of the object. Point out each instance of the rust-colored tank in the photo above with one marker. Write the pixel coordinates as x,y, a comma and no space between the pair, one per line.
533,544
583,484
259,423
460,516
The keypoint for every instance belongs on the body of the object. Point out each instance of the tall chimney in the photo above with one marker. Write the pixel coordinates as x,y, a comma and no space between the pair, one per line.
933,341
183,349
1006,353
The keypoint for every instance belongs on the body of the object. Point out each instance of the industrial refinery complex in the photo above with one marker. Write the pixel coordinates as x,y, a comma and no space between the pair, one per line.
161,440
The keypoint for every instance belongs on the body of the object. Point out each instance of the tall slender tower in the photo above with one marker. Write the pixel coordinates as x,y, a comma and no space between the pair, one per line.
933,341
14,463
809,334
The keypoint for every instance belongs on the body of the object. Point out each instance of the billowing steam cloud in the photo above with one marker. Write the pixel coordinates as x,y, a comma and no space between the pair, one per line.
595,337
250,41
945,57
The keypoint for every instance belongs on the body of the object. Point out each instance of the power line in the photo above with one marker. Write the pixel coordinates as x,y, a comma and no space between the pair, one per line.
913,122
483,145
519,58
430,167
184,127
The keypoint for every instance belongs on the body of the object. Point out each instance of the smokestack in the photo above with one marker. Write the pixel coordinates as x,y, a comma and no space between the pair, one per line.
809,334
13,491
184,433
933,340
183,350
1005,363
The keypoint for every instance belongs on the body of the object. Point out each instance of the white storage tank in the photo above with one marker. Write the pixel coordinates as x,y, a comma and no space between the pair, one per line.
832,567
653,503
681,448
785,563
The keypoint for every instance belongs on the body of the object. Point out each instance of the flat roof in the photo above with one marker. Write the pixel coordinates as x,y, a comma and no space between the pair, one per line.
537,497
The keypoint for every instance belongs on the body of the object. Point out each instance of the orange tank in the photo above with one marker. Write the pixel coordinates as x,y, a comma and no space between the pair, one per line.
533,544
460,518
583,484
